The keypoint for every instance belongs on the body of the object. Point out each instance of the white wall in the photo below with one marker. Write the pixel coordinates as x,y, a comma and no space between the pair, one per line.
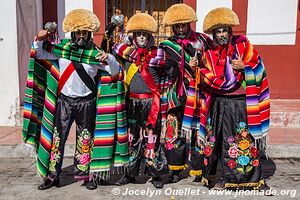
71,5
9,79
60,17
204,6
39,13
272,22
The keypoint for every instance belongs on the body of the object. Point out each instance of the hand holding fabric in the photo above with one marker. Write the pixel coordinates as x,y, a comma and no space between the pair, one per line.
102,56
238,63
193,63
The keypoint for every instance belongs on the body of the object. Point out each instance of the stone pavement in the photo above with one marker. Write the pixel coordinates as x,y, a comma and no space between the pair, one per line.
284,135
18,180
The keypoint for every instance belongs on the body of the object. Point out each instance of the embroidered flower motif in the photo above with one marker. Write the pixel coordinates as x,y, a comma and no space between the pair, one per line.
52,156
85,148
242,149
131,158
253,152
212,139
244,134
208,128
205,162
230,139
208,120
149,162
242,124
209,132
55,152
85,159
207,151
86,137
245,152
132,155
154,160
244,144
243,160
231,164
53,147
198,150
255,163
233,152
85,142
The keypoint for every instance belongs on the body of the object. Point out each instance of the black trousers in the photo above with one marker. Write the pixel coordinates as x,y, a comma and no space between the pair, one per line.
230,143
175,146
82,110
146,155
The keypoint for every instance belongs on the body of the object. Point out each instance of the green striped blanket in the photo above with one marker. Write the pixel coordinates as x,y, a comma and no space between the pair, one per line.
40,103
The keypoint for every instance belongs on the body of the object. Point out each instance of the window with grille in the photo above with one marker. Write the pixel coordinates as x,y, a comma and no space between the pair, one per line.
128,8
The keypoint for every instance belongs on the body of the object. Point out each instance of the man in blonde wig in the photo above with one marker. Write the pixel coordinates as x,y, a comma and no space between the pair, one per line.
181,119
67,90
143,61
239,110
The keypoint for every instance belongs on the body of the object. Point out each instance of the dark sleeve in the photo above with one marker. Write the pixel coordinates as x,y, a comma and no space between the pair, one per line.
171,69
107,44
104,44
119,58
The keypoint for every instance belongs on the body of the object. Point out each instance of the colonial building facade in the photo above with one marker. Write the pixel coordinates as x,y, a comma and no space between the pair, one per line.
273,26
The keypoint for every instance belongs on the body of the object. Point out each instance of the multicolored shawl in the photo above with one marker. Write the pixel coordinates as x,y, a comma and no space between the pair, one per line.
39,109
155,56
40,102
110,149
144,58
66,50
196,100
257,89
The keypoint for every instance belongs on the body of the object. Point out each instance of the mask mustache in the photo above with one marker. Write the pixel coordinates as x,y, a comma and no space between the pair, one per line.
181,35
81,42
223,40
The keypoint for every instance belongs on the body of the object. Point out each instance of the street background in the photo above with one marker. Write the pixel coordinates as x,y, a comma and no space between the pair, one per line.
18,180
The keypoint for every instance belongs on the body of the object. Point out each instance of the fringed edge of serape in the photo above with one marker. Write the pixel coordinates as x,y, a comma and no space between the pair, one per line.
105,174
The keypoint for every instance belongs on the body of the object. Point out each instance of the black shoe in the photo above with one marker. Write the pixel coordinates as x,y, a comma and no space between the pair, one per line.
174,178
103,182
91,185
125,180
49,184
220,185
157,182
197,179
